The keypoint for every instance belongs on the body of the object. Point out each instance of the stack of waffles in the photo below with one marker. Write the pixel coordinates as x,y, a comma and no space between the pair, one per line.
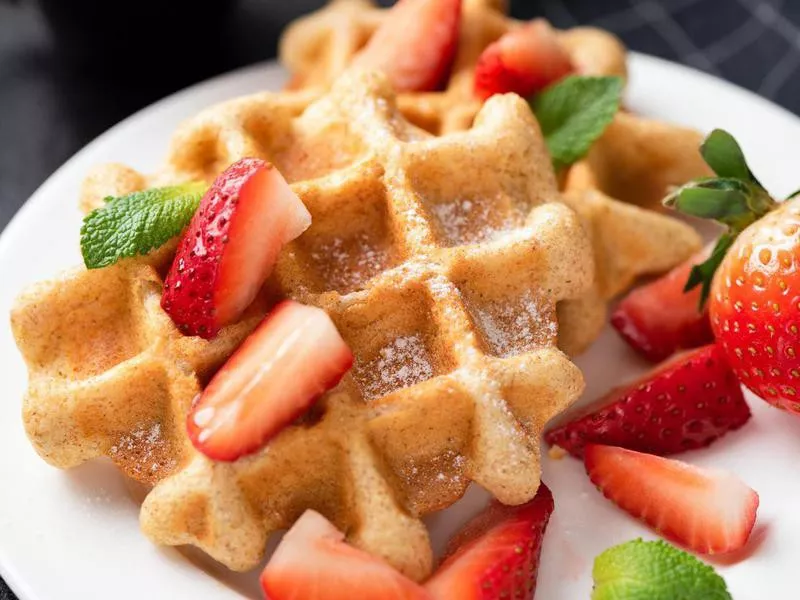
636,161
443,250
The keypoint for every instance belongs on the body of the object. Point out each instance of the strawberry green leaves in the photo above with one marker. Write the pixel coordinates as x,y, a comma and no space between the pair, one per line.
639,570
735,198
703,273
723,154
137,223
574,113
720,199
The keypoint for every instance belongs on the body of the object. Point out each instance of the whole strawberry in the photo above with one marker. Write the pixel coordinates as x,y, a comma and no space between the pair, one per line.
751,280
755,306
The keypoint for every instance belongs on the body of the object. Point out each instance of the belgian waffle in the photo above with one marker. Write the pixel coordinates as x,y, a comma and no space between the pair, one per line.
441,261
319,47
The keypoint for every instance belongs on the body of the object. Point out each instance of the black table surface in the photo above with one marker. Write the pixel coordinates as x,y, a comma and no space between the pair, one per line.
50,106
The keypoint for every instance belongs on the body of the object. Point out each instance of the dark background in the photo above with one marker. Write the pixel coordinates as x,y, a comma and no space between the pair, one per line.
111,58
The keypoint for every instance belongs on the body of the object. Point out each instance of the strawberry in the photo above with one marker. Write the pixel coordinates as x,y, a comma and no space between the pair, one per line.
708,511
496,555
752,278
659,318
313,562
416,44
755,306
524,61
230,246
686,403
293,356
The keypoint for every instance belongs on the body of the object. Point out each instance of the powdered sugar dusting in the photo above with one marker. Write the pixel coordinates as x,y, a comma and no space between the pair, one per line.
144,452
435,475
512,327
346,265
402,362
468,221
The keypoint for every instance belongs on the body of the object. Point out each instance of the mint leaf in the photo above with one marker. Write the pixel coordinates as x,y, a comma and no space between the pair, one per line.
724,155
574,113
639,570
135,224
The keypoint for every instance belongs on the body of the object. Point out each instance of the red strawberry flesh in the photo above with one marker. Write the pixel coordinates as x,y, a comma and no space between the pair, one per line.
294,356
524,61
659,318
496,555
708,511
686,403
313,562
416,44
231,246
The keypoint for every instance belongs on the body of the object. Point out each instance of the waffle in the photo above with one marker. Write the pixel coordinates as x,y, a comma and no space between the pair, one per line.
639,160
319,47
629,242
441,261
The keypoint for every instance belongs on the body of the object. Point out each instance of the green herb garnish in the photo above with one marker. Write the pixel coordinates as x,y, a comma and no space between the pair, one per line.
574,113
639,570
135,224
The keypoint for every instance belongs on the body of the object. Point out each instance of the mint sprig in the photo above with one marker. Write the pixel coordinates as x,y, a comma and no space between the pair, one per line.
137,223
735,198
574,113
639,570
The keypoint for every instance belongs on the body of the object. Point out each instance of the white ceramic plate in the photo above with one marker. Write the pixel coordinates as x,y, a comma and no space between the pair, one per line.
75,535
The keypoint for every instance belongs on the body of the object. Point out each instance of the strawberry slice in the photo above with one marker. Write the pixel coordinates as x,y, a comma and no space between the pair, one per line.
524,61
293,356
231,246
685,403
313,562
497,554
659,318
416,44
708,511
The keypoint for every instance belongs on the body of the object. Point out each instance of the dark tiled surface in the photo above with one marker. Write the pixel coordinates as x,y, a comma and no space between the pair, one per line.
49,108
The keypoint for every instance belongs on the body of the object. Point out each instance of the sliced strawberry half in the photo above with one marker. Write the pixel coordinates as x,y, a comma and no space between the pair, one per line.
231,246
313,562
524,61
496,555
685,403
659,318
708,511
416,44
293,356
